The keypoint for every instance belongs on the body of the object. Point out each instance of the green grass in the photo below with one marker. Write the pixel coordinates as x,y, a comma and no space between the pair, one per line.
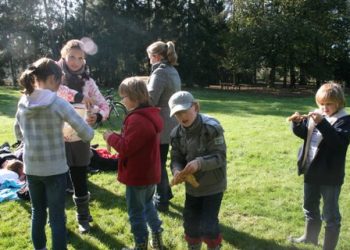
261,207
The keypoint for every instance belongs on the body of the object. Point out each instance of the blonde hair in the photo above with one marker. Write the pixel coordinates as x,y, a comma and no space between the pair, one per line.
40,70
331,92
136,90
165,50
71,44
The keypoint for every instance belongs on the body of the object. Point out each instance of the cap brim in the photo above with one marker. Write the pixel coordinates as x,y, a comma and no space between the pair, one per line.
179,107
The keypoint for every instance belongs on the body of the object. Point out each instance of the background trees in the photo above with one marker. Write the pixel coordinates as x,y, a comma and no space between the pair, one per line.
293,41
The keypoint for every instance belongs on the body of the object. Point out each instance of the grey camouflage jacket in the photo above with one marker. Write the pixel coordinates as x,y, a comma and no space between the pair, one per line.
204,141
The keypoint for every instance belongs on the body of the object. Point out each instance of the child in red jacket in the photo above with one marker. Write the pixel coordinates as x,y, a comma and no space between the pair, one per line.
139,160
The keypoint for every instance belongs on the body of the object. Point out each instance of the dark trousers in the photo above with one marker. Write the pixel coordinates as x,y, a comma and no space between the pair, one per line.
312,200
201,216
78,175
164,193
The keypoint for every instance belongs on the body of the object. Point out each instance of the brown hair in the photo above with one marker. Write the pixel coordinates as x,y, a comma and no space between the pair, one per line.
331,92
15,166
165,50
40,70
135,88
71,44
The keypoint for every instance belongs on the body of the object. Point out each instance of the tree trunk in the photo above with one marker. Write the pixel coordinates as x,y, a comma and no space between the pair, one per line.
303,80
84,19
292,76
285,72
65,19
13,73
49,26
272,76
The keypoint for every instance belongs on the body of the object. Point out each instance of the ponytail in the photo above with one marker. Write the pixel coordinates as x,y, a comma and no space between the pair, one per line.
171,53
27,80
166,50
40,70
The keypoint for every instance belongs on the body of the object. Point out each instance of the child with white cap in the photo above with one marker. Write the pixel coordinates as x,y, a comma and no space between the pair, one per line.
198,149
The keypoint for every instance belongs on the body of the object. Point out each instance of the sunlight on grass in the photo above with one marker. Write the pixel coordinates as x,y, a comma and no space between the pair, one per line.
263,202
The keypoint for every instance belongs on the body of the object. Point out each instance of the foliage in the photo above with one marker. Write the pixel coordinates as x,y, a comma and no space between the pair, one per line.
312,36
217,40
261,207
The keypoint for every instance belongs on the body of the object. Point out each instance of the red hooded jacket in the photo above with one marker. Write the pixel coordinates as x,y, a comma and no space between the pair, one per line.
138,147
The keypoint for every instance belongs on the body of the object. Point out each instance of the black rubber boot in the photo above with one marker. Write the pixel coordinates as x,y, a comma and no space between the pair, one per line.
83,212
331,237
312,230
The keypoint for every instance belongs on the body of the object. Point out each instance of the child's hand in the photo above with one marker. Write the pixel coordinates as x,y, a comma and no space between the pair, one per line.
317,117
91,119
178,178
106,134
89,102
296,117
190,168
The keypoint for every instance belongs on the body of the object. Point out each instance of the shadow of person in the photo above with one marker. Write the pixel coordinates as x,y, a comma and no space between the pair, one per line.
106,198
77,242
107,239
26,205
242,240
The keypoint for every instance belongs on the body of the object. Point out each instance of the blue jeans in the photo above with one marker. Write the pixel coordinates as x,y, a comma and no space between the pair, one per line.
142,212
201,216
164,193
48,192
330,211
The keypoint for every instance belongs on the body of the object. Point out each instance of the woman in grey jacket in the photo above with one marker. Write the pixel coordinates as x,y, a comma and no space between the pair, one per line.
164,81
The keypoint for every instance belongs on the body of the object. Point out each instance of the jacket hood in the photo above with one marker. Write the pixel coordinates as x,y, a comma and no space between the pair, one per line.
152,114
37,101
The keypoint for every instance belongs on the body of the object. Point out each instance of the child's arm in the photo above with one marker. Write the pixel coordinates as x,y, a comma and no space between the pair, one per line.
299,125
18,132
217,150
71,95
100,101
69,115
129,143
17,129
337,136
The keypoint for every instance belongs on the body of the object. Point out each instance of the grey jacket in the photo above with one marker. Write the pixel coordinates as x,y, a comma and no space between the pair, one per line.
204,141
163,83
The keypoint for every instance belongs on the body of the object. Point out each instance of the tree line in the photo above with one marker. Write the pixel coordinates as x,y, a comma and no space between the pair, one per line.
292,41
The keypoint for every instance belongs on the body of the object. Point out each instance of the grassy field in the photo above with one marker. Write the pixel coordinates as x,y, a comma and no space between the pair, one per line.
262,205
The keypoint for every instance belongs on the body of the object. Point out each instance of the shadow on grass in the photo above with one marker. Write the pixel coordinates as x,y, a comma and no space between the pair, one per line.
78,242
106,198
102,236
8,102
242,240
26,205
103,196
178,211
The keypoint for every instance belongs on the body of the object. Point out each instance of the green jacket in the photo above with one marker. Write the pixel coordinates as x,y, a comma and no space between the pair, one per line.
204,141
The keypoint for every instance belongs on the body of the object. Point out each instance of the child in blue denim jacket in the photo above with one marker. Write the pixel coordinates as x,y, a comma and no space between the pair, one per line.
326,135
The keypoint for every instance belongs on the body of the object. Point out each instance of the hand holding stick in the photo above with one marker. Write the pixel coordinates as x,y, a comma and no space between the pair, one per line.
296,117
179,178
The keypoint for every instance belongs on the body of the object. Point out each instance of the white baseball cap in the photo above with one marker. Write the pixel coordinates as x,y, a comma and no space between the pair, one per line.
181,100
